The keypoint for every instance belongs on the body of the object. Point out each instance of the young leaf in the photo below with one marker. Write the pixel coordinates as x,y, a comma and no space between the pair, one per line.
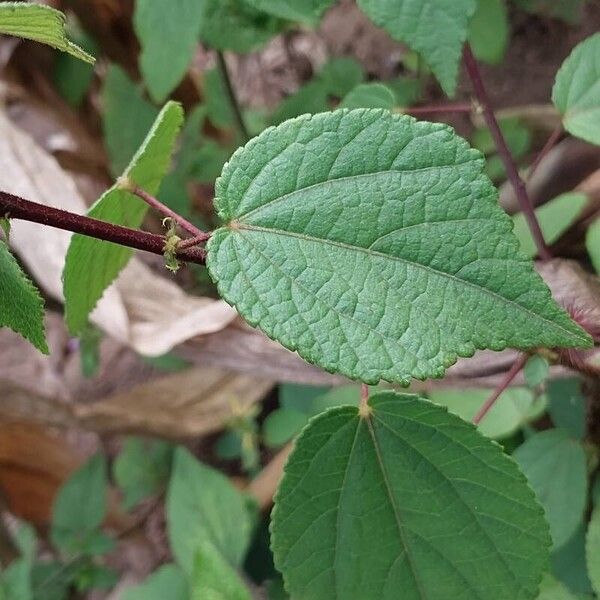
214,578
437,29
489,31
235,25
405,500
515,407
41,24
369,95
80,507
592,550
203,506
307,11
168,34
576,92
373,245
21,306
141,468
555,466
92,265
592,242
555,217
167,582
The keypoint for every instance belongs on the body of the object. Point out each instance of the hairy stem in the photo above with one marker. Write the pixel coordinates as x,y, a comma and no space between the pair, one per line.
510,375
166,211
14,207
503,151
233,100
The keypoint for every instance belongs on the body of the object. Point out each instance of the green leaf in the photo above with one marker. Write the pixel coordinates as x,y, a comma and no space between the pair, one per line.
536,370
15,581
514,408
167,582
310,98
489,31
340,75
436,29
214,578
21,306
576,92
203,506
551,589
142,468
373,245
567,10
405,501
569,564
80,507
567,405
237,26
299,397
127,118
41,24
168,34
592,242
592,550
307,11
555,466
92,265
282,425
370,95
555,217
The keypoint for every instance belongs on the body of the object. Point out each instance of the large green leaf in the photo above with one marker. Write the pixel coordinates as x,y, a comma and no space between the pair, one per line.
203,506
555,466
308,11
39,23
235,25
514,408
167,582
165,58
436,29
405,500
80,507
373,245
92,265
592,550
592,242
21,306
576,91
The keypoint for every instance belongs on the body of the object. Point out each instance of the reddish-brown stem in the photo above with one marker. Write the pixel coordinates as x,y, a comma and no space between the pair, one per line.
503,151
459,107
364,399
552,140
193,241
167,212
14,207
489,403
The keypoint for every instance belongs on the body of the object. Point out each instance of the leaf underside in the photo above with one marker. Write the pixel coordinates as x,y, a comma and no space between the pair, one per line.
41,24
373,245
409,502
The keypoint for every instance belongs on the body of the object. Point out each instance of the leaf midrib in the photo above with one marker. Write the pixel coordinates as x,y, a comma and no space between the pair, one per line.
368,251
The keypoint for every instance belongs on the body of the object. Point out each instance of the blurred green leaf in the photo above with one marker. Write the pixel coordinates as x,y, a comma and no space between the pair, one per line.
299,397
306,11
536,370
282,425
592,550
569,564
312,98
21,305
567,10
89,350
142,468
556,467
167,583
165,57
407,90
341,74
489,31
369,95
202,505
514,408
555,217
566,404
80,507
552,589
592,242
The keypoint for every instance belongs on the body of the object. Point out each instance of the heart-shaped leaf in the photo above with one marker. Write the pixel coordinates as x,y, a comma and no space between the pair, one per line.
373,245
404,500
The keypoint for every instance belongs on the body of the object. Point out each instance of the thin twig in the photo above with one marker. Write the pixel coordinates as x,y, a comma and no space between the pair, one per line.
552,140
233,100
14,207
458,107
503,151
510,375
167,212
